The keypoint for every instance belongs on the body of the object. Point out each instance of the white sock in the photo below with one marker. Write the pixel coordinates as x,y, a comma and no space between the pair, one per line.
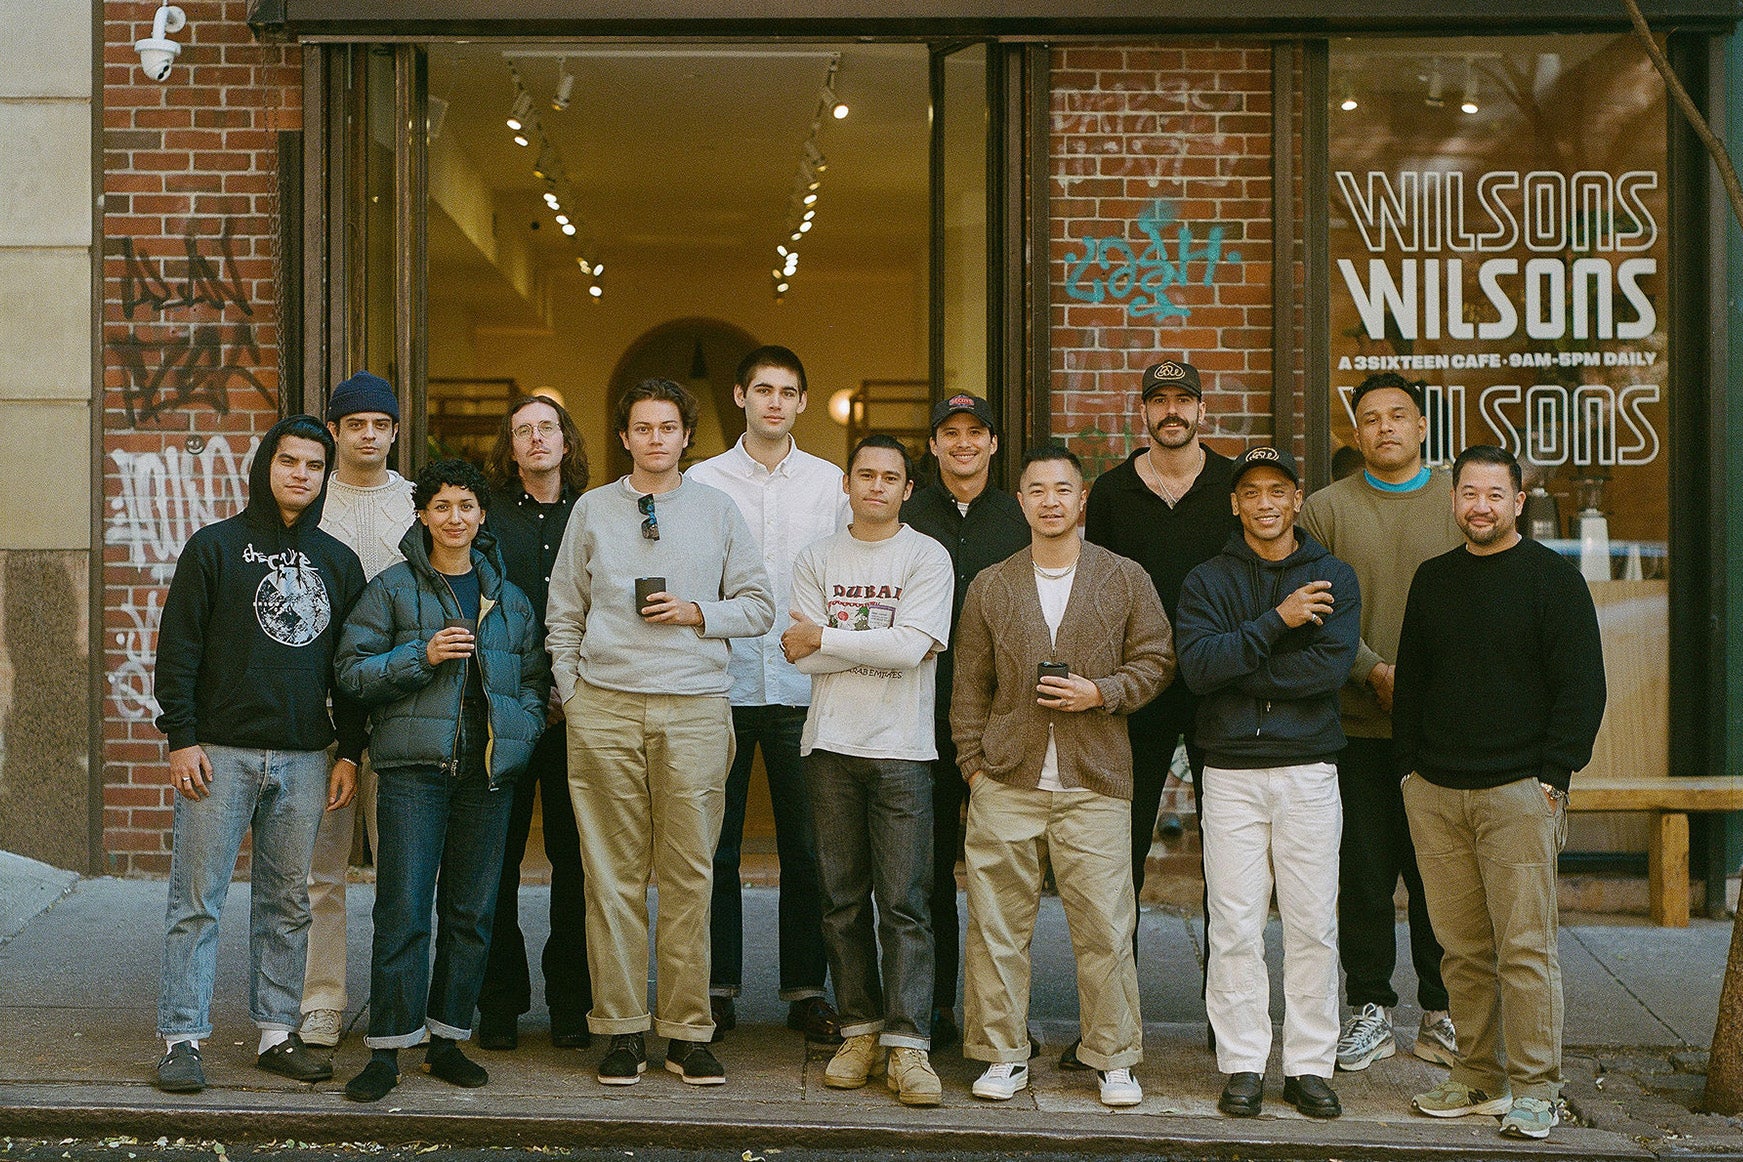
170,1043
272,1038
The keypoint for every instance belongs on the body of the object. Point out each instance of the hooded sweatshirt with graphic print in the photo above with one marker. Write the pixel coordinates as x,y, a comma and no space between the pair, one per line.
245,647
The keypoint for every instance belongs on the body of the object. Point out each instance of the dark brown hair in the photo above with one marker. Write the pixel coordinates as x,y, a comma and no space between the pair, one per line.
657,389
504,474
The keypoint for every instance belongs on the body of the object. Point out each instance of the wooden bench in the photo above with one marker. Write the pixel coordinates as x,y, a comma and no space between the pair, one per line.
1669,799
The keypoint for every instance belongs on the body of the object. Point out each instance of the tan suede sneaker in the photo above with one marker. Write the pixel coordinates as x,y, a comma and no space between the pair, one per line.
858,1058
911,1077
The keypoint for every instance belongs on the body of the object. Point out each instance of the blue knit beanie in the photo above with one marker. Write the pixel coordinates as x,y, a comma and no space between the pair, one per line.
363,392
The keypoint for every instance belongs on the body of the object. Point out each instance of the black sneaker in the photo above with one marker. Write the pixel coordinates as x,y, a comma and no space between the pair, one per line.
692,1061
180,1071
292,1059
815,1018
498,1032
454,1067
625,1062
374,1083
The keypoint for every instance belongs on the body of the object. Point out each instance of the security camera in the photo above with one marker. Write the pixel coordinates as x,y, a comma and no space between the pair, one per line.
158,52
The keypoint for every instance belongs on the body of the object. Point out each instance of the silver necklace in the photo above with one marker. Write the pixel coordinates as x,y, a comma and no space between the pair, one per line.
1055,574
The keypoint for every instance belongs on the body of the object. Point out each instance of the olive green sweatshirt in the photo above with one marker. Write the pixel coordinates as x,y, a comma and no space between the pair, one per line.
1383,536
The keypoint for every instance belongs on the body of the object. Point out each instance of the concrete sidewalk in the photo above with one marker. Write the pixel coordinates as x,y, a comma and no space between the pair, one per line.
78,986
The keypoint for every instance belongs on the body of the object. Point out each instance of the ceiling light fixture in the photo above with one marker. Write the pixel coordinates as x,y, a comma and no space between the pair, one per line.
522,109
565,85
1436,98
1469,104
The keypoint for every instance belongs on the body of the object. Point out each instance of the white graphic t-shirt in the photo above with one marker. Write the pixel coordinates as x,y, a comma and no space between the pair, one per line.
885,609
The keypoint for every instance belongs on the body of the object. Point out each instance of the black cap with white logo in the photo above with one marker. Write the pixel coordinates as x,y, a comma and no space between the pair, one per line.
1171,373
1264,456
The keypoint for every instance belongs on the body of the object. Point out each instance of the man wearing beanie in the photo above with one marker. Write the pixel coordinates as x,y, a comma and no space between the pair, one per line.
369,508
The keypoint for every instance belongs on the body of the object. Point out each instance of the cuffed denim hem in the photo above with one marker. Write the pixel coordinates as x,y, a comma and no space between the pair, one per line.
199,1034
905,1041
975,1051
275,1027
437,1029
611,1026
726,990
673,1031
859,1028
402,1041
1124,1059
800,994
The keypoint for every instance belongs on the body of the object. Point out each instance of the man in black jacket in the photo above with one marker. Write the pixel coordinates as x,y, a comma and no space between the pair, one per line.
1266,636
979,526
244,671
1166,508
1499,695
537,469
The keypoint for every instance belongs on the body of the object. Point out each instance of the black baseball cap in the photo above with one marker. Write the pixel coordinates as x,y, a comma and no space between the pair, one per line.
1171,373
974,405
1264,456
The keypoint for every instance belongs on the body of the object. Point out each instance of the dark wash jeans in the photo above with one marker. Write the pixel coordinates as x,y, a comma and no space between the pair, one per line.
874,841
949,791
434,826
507,988
1377,850
777,729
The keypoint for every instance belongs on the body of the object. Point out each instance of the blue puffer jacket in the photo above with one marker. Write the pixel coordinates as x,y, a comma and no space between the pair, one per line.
416,706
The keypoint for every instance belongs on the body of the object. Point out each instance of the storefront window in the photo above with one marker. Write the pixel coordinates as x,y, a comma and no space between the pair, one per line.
1499,225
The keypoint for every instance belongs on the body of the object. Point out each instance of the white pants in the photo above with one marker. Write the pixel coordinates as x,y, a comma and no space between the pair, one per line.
1282,824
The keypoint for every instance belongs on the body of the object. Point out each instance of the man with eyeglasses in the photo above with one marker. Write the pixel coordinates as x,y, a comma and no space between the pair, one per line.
655,573
536,471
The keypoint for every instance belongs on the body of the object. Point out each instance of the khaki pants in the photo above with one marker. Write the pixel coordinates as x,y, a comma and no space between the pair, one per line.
647,773
1488,870
1085,835
324,982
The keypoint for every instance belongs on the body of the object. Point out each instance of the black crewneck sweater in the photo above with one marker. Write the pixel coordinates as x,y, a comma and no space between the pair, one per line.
1500,670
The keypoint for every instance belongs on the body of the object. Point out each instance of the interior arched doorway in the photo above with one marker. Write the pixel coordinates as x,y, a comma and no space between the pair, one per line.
700,353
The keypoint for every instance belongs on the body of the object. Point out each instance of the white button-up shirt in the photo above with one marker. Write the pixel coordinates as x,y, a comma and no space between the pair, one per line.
799,502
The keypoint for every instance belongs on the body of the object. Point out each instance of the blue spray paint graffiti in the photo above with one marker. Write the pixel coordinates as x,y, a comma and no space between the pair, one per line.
1143,278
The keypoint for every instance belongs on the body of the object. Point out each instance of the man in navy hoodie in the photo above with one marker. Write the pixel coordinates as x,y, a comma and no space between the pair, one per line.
244,670
1266,635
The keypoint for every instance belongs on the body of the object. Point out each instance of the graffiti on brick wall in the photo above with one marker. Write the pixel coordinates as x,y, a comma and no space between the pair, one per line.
165,498
1145,274
182,363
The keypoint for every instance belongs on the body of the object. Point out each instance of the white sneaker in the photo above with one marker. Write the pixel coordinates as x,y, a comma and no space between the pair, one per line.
1437,1040
323,1027
1367,1038
1119,1087
1002,1080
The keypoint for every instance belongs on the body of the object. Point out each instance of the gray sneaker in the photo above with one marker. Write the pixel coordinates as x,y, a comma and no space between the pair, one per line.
179,1071
322,1028
1530,1117
1437,1040
1367,1038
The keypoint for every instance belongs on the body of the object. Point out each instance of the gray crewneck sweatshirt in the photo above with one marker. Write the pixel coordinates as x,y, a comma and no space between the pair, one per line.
707,555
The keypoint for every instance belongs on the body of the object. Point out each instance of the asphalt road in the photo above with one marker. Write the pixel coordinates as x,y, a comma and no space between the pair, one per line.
181,1150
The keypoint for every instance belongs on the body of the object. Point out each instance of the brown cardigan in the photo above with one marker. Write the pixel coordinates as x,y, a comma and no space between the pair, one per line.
1114,632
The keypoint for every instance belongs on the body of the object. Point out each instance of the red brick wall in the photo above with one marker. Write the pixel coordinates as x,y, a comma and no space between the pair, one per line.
1179,136
190,333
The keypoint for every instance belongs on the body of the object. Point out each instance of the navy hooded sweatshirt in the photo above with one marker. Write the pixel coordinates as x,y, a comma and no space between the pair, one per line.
245,647
1270,693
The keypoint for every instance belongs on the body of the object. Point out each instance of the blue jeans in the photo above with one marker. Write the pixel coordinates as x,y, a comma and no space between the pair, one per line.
279,795
442,839
778,729
873,819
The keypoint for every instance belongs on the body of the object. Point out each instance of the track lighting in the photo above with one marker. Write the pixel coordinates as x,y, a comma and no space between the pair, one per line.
1469,104
523,108
565,85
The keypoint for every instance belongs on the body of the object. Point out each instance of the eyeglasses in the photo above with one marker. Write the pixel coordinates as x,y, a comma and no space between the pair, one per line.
545,428
650,526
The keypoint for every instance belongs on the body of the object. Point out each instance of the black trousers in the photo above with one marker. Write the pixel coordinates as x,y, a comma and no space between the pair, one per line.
1376,851
568,985
1155,730
949,790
